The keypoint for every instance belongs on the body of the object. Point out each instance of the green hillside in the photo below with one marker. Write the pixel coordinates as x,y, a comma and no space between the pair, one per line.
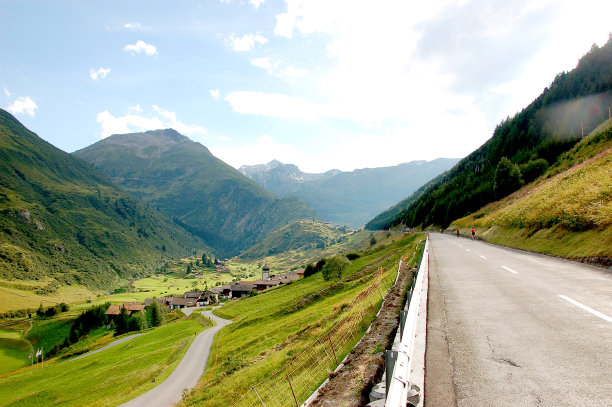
567,212
200,192
521,148
64,223
300,236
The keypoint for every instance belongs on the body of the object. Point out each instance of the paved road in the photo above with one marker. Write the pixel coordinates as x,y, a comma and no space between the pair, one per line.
110,345
186,375
509,328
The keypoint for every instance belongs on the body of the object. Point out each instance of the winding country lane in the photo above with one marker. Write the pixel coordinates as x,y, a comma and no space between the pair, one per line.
186,375
510,328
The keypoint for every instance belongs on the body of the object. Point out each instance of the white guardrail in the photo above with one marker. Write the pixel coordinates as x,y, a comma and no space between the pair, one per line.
399,384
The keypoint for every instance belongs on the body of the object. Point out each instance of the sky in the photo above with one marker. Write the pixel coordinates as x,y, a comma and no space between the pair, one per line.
322,84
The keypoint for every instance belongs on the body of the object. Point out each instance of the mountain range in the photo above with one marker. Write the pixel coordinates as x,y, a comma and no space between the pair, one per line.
198,191
62,222
347,198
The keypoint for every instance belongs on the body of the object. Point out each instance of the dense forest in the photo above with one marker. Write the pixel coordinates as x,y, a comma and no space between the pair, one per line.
521,149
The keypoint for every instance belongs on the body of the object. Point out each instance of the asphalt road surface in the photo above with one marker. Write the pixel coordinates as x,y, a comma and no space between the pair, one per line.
510,328
186,375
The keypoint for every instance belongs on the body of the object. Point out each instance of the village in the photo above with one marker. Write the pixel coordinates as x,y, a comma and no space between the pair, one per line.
210,296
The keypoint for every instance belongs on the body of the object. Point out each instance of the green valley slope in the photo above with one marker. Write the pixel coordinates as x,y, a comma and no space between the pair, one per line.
190,185
567,212
64,223
299,236
576,102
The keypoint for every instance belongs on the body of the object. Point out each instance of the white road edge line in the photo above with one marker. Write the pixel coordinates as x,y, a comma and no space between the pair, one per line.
509,269
589,309
480,255
467,250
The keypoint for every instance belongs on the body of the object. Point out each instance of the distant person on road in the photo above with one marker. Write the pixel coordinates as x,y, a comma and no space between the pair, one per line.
473,234
457,232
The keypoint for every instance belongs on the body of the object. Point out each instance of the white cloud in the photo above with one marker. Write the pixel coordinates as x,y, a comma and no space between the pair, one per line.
136,121
98,73
141,47
7,93
263,63
23,104
277,69
272,104
214,93
256,3
132,26
247,42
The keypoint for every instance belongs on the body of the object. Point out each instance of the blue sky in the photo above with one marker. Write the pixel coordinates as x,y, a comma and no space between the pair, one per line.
319,83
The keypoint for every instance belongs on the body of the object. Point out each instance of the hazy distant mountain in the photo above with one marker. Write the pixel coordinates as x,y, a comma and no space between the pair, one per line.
185,181
63,219
347,198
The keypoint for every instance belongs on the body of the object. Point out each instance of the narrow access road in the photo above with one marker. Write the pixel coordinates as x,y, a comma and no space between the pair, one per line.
110,345
186,375
510,328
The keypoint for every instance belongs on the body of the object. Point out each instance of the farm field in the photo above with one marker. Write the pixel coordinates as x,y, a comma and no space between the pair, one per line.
106,378
273,327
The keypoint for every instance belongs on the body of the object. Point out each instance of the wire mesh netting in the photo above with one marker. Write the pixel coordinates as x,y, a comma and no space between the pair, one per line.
296,381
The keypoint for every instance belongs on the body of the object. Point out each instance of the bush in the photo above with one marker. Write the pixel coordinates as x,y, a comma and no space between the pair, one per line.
352,256
334,267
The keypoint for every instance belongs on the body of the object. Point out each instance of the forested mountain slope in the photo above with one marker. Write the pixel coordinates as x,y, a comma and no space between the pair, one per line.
200,192
521,149
64,222
566,212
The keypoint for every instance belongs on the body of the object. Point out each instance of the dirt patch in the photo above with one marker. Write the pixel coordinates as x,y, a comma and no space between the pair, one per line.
364,366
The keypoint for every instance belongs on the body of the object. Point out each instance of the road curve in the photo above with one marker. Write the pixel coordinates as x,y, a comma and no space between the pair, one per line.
510,328
186,375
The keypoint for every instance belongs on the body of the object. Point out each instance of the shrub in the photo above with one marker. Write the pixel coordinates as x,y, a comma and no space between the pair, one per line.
334,267
352,256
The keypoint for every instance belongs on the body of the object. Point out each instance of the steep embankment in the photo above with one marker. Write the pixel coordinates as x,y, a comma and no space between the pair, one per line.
64,223
190,185
520,150
567,212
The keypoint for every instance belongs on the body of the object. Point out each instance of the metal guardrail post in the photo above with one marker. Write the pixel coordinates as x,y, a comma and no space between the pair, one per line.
390,359
403,316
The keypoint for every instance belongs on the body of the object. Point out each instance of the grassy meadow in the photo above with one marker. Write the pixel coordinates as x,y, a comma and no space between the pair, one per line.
273,327
567,212
107,378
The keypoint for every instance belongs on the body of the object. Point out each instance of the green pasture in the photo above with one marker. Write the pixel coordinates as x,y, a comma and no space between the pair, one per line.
276,325
107,378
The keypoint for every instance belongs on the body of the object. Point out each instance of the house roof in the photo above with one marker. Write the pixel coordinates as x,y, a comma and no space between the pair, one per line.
183,301
272,282
113,310
130,307
193,294
243,287
216,290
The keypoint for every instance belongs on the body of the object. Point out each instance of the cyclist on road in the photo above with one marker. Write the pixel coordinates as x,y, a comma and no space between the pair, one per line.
473,234
457,232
